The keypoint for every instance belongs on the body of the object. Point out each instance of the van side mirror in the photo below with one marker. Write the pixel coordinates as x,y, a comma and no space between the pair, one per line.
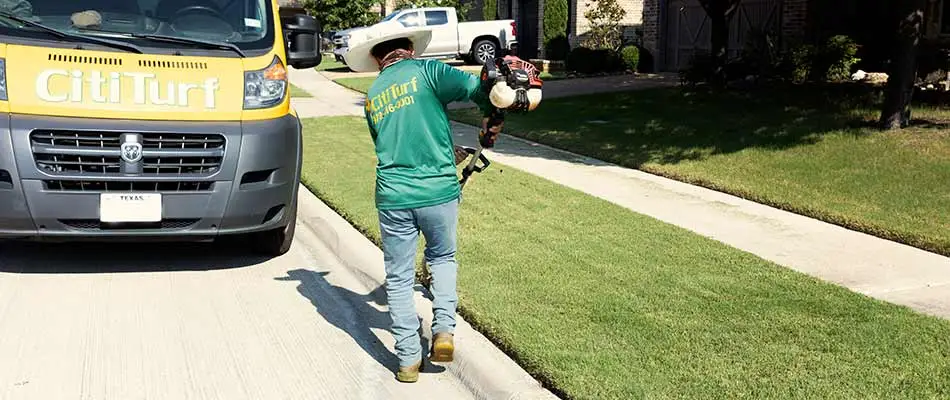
303,44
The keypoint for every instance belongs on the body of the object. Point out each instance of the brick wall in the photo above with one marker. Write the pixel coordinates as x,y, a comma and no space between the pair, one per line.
651,30
631,21
537,19
794,20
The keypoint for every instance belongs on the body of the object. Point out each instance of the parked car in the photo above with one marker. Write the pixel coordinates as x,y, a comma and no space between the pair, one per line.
474,42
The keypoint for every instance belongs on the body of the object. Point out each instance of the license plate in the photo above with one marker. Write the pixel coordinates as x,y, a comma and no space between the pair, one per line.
130,207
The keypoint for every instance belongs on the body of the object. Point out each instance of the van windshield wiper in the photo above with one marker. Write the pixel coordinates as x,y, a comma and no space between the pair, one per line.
67,35
176,39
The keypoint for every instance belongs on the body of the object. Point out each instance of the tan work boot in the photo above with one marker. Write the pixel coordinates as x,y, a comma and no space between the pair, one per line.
409,374
443,347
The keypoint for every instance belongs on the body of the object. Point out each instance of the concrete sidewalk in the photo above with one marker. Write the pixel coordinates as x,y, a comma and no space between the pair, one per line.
333,99
329,99
878,268
585,86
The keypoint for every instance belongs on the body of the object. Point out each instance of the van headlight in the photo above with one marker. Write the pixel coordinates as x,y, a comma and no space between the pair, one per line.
3,79
265,88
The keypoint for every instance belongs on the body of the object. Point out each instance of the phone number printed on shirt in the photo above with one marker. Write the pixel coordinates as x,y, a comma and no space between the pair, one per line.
392,99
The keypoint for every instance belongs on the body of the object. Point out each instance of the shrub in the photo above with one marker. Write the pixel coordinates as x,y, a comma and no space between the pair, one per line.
490,10
631,57
555,20
591,61
796,64
557,48
578,60
606,31
834,60
700,69
702,66
761,53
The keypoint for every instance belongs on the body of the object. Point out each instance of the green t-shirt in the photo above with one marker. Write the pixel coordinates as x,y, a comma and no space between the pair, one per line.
406,113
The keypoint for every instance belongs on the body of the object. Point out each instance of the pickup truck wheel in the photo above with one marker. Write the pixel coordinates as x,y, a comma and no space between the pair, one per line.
484,51
276,243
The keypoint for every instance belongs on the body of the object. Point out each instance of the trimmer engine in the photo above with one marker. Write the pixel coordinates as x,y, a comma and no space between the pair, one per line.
512,85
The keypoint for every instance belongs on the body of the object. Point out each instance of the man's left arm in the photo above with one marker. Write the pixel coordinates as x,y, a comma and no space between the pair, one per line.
452,84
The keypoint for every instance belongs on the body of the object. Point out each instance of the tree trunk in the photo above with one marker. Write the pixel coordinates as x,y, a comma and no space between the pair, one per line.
720,13
719,30
895,113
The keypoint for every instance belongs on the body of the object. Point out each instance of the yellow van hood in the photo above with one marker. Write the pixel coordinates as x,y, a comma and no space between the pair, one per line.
63,82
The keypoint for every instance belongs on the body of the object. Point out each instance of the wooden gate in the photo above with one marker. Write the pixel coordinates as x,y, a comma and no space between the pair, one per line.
688,30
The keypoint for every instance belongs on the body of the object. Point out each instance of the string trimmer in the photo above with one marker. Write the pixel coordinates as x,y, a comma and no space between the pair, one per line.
512,85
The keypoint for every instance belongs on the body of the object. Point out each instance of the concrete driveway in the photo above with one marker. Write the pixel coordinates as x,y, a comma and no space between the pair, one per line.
197,322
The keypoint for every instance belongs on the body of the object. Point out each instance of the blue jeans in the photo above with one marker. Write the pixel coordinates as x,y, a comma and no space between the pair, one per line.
400,233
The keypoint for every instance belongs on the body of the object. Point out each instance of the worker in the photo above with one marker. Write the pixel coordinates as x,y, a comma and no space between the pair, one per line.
417,188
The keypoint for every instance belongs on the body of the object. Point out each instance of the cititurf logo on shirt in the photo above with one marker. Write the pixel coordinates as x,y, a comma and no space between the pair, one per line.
392,99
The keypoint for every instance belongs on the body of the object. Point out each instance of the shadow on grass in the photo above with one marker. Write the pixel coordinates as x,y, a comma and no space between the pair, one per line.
668,126
654,130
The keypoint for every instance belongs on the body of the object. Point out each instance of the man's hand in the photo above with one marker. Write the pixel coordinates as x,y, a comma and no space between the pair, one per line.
490,130
495,129
460,155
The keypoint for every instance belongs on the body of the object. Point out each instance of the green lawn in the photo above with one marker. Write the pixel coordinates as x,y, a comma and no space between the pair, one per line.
800,151
298,92
604,303
329,62
358,84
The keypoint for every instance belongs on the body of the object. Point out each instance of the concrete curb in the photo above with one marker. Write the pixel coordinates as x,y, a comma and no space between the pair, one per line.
482,367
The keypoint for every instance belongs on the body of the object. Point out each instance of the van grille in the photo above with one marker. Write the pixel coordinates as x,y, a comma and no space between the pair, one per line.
98,153
65,185
172,64
95,225
74,59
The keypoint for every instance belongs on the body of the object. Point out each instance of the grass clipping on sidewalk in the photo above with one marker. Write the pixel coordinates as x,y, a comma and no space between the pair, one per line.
604,303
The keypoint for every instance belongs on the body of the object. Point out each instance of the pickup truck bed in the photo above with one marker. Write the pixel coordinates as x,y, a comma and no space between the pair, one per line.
475,42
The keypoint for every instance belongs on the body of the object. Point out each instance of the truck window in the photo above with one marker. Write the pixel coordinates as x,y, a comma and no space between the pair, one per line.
246,23
437,18
410,20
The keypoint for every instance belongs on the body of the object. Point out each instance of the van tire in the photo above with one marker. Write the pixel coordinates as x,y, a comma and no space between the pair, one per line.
276,242
484,51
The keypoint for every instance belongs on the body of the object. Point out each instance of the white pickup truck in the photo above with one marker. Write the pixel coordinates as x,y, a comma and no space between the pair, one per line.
474,42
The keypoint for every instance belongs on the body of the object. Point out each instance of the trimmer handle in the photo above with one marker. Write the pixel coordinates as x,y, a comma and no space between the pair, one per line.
473,165
478,157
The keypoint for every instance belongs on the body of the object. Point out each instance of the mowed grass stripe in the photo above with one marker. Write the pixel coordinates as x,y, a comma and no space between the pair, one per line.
604,303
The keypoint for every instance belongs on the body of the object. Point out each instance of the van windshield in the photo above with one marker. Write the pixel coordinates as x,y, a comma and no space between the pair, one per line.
244,23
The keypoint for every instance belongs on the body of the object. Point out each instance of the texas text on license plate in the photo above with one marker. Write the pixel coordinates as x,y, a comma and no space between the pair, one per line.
130,207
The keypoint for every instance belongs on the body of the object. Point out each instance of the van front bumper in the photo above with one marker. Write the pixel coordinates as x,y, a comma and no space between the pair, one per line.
214,178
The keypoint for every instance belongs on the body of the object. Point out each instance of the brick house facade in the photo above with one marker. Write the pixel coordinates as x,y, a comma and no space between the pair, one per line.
663,29
670,30
655,22
579,25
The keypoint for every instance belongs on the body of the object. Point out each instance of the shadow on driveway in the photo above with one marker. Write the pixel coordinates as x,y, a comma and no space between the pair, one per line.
357,316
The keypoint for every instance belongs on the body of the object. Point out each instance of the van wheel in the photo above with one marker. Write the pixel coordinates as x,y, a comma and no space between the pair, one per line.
275,243
484,51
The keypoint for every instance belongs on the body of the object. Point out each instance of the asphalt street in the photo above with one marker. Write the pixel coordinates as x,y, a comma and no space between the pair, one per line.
198,321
